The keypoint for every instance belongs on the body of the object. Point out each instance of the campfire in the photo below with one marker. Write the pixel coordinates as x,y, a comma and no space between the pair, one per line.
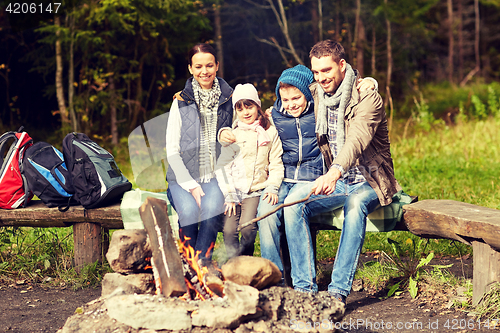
159,284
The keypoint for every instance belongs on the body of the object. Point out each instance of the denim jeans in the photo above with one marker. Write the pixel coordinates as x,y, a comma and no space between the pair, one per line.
200,224
358,201
269,227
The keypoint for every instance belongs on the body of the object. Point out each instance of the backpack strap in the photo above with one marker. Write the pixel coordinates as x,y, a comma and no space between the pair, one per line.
3,144
63,208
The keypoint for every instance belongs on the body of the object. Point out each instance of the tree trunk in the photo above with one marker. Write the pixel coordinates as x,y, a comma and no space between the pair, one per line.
59,76
112,109
451,44
360,48
460,41
337,21
320,19
314,19
71,77
136,107
374,50
389,56
218,39
355,44
476,40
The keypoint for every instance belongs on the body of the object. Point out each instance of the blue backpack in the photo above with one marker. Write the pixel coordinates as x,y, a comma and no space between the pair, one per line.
47,176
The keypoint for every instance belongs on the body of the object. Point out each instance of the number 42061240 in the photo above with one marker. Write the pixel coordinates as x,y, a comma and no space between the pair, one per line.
32,8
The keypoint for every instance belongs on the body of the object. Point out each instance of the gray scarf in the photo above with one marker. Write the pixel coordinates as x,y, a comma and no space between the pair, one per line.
338,100
208,103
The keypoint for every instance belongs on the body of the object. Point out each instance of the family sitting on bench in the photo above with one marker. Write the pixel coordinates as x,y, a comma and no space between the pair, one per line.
334,141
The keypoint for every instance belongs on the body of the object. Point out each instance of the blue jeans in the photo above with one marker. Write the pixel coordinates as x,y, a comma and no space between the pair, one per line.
201,225
358,201
269,227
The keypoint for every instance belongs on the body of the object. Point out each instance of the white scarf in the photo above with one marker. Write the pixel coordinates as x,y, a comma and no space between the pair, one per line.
208,103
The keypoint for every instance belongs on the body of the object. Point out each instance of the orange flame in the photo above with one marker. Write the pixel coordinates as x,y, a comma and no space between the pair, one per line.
192,258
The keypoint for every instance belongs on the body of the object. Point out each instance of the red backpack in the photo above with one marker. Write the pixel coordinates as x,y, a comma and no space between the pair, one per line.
14,191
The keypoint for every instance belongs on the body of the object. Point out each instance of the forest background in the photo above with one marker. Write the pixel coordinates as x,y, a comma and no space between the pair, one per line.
105,67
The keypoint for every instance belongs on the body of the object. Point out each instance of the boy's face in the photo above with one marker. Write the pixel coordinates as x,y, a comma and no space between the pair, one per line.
294,101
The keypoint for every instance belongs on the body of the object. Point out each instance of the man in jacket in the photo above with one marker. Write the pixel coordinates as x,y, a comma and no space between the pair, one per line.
352,132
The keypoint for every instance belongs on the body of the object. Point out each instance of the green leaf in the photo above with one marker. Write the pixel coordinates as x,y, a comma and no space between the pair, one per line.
412,287
442,266
393,289
46,264
425,261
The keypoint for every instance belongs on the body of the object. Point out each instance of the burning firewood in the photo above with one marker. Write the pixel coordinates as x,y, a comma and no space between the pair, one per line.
166,259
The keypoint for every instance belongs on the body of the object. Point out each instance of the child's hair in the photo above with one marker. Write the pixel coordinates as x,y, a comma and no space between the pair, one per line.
264,121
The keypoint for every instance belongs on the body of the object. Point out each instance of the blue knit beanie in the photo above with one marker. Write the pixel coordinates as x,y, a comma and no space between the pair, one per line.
300,77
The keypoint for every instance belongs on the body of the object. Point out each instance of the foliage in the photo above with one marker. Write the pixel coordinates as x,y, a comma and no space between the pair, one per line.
376,274
488,306
410,267
35,253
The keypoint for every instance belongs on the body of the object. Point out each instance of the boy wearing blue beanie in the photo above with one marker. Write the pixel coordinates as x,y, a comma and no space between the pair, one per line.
293,116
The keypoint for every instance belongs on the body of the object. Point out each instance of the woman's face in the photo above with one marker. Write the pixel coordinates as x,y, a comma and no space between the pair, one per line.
293,100
204,68
247,114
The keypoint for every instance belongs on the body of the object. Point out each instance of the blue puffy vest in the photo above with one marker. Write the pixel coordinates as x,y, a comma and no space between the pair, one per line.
301,155
191,126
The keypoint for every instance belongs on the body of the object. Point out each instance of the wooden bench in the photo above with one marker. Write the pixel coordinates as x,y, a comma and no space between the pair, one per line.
470,224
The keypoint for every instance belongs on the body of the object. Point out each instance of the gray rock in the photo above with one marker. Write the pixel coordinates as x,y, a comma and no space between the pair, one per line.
140,283
128,250
149,312
241,301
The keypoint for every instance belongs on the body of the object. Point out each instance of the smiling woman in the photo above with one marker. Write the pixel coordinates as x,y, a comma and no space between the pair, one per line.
198,112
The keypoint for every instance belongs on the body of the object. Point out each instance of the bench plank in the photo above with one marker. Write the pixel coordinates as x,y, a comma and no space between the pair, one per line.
453,220
39,215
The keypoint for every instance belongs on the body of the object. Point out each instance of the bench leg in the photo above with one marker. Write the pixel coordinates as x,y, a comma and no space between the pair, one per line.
87,238
486,269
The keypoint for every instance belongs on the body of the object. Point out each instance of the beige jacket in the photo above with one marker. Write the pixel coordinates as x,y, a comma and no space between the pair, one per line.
367,143
245,167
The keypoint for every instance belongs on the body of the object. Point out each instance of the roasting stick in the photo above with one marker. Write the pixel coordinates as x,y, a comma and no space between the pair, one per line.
257,219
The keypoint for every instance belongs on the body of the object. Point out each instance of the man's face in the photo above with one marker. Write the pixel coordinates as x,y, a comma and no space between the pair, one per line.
328,73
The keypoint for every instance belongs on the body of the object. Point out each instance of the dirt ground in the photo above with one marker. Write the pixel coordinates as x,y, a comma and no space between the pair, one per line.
26,308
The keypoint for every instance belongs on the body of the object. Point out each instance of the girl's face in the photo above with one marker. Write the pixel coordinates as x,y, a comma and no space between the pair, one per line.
294,101
247,114
204,68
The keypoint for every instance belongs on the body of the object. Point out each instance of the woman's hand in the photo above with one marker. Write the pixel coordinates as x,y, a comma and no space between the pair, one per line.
227,136
365,84
197,193
271,198
230,207
269,112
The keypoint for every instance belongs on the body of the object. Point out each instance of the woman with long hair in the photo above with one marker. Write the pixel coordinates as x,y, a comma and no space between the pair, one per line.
197,113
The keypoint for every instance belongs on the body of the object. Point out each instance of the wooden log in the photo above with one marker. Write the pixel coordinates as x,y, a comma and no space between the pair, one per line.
39,215
486,269
166,257
87,239
453,220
